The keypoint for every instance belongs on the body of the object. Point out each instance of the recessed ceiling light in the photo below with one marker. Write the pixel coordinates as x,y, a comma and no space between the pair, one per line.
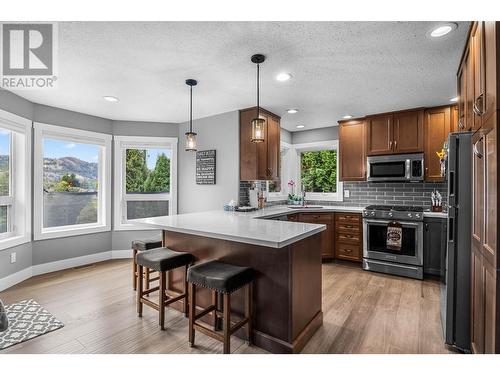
346,117
282,77
442,30
454,100
300,126
111,99
292,110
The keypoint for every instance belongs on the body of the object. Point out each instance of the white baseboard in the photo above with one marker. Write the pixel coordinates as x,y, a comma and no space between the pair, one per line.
59,265
15,278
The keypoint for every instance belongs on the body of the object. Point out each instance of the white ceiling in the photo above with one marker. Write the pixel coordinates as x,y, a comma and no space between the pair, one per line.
338,68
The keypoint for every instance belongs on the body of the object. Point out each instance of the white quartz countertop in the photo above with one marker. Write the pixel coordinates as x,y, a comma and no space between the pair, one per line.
237,226
243,226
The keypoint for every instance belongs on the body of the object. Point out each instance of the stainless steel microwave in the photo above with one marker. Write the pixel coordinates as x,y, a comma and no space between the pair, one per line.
402,168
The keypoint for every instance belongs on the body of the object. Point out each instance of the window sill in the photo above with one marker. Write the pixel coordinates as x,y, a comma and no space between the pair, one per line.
10,242
69,232
132,227
325,197
275,198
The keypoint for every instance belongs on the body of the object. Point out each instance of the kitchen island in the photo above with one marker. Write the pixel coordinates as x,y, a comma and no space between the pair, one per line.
285,256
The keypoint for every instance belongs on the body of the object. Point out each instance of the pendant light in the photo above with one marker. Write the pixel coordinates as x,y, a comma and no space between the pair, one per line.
258,124
190,135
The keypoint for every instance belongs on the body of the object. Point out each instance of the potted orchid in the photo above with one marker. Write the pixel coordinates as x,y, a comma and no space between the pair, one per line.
292,198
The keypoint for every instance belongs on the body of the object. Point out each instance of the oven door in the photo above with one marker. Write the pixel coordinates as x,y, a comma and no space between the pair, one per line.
388,169
375,241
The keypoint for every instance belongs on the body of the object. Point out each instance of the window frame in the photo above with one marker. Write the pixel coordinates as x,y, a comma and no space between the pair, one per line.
318,146
121,143
285,175
19,200
61,133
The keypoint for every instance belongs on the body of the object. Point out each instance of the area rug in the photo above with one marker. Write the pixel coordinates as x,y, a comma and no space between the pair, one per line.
27,320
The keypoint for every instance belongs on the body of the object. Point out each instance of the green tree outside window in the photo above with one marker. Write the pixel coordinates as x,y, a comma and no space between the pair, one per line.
319,171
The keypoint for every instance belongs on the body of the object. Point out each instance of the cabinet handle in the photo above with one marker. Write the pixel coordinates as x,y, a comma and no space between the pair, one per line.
395,145
390,145
476,151
348,250
460,126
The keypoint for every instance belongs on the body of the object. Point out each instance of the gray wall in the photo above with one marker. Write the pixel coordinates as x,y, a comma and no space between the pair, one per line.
44,251
220,133
286,136
316,135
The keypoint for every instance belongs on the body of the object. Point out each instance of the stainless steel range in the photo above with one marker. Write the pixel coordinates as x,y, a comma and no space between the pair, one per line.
406,259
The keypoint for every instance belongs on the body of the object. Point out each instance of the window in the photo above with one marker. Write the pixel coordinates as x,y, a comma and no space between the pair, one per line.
15,180
145,177
72,181
316,169
277,190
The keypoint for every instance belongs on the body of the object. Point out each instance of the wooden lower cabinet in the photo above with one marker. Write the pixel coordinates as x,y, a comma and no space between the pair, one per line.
327,243
343,237
348,237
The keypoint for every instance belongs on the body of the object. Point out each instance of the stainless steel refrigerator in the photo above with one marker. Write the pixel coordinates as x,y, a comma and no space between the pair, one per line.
456,278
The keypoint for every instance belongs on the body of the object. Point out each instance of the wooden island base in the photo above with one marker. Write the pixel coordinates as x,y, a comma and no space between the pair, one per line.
287,288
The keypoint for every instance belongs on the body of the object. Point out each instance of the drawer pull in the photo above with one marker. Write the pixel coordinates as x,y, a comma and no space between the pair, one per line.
348,250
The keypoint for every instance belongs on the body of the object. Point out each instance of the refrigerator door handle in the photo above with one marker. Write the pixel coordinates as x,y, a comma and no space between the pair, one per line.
451,229
451,182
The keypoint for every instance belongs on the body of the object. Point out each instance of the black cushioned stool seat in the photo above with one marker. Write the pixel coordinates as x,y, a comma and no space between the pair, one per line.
143,245
224,279
162,260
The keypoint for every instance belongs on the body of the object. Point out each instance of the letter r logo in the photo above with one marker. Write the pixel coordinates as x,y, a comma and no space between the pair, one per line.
27,49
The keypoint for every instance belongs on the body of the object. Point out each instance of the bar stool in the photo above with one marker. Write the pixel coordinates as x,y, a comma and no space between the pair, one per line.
143,245
221,278
161,260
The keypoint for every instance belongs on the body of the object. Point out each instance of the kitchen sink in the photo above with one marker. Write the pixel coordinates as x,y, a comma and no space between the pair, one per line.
304,207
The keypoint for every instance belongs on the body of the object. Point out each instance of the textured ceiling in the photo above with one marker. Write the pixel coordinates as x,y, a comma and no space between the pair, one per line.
338,68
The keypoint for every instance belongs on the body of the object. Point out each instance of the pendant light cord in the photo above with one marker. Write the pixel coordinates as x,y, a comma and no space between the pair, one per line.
258,91
191,109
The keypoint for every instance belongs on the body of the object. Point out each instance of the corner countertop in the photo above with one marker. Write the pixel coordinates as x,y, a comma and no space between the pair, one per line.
242,226
237,226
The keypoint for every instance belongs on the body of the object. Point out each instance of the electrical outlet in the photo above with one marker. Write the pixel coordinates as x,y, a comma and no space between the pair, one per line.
13,257
346,193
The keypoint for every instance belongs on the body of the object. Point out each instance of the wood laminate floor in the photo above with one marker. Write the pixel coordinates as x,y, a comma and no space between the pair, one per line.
364,312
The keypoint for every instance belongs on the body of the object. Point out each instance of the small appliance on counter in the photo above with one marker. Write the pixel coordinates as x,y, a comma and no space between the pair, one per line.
253,195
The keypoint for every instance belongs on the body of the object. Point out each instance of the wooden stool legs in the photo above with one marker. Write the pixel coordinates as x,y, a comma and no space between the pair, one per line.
134,269
165,295
228,328
192,312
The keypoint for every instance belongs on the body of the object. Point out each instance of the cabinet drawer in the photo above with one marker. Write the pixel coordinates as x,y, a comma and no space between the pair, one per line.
348,251
351,218
316,218
348,227
349,238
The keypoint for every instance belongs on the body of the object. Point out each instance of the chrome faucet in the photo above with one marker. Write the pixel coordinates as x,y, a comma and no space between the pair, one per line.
303,190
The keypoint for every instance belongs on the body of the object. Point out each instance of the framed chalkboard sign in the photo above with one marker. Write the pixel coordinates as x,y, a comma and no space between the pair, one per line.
205,167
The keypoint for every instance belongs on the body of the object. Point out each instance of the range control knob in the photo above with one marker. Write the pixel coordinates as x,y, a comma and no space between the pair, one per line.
372,213
390,214
417,216
410,215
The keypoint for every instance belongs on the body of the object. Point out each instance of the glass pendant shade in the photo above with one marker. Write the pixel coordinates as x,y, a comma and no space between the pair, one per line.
190,141
258,130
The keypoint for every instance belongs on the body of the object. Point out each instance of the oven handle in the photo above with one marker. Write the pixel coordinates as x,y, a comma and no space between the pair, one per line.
407,223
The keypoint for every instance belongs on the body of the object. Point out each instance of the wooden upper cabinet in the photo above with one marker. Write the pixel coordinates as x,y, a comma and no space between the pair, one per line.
379,135
352,154
454,119
408,132
273,148
259,161
490,38
436,129
478,69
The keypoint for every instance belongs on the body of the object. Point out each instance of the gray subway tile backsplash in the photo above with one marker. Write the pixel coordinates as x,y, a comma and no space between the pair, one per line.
366,193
